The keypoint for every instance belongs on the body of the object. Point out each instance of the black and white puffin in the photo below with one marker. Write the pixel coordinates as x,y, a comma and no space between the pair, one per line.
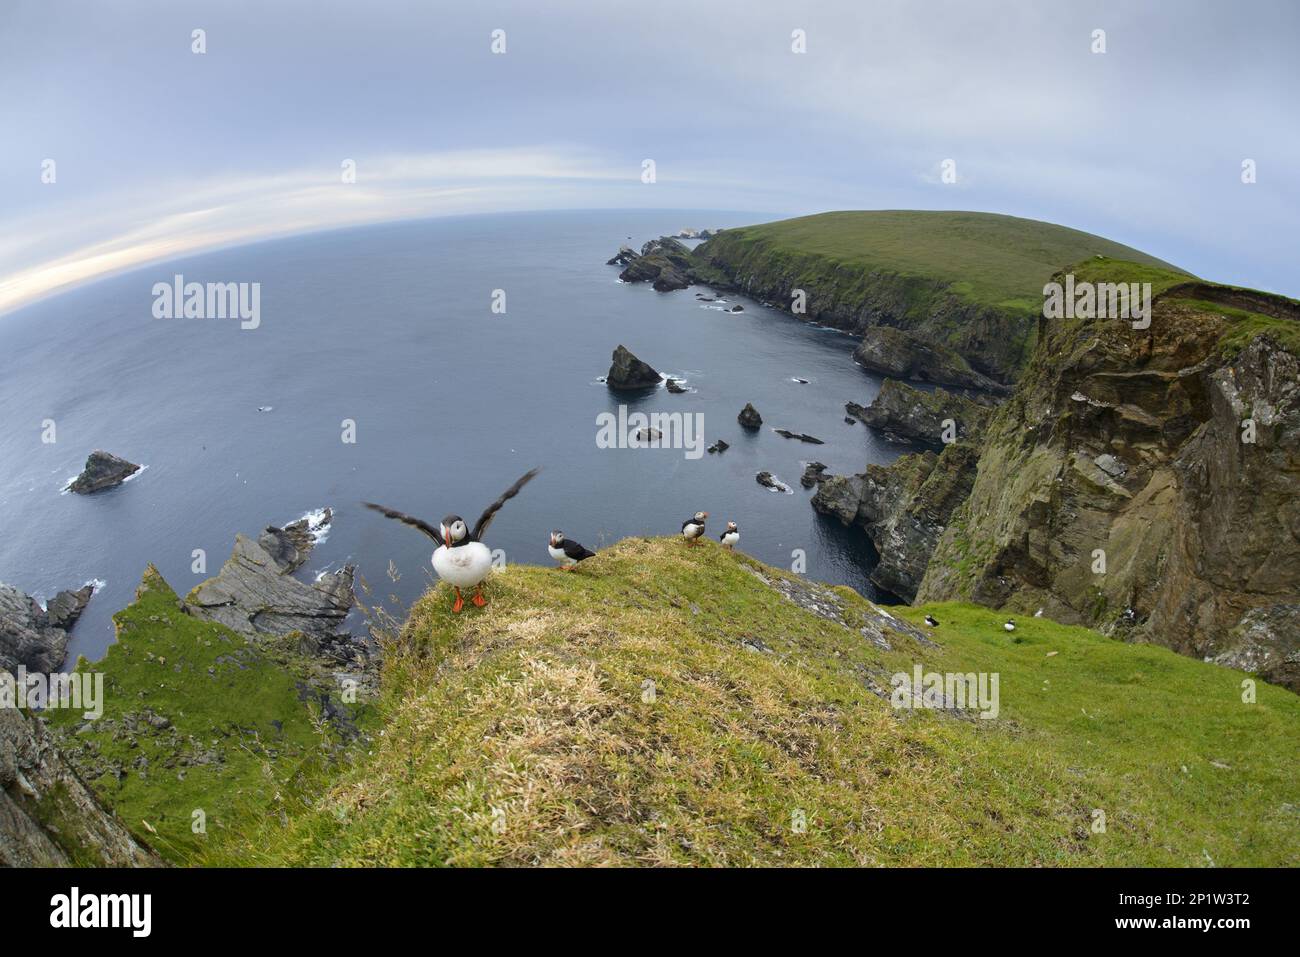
461,559
567,552
932,621
693,527
1010,625
731,536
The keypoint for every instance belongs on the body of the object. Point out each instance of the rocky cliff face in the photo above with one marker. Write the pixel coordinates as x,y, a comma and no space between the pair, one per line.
903,413
1147,482
904,508
47,816
35,637
994,342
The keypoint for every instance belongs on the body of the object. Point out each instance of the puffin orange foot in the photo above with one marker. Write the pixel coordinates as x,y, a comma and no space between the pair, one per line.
478,598
458,604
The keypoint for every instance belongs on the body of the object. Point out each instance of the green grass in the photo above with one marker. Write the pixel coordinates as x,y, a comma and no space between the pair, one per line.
1186,772
1107,269
523,735
1245,325
243,740
985,257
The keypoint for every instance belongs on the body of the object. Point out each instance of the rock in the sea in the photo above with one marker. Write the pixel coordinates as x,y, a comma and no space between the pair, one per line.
627,372
663,262
749,417
768,480
801,436
675,387
736,308
905,355
292,545
907,414
719,446
103,470
66,607
33,637
48,817
623,257
812,474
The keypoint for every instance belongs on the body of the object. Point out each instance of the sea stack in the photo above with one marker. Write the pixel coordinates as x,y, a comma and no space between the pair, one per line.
749,417
628,372
103,470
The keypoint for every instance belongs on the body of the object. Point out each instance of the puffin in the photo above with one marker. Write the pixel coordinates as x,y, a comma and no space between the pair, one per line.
730,536
567,552
693,527
1010,625
932,621
461,558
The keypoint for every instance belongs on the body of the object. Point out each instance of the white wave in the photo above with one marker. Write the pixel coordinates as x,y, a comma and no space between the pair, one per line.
317,524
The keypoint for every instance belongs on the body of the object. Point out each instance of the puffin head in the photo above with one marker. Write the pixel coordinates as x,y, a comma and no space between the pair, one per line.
557,536
700,517
453,530
731,527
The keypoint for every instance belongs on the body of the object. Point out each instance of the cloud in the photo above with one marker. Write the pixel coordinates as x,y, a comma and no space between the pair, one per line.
176,219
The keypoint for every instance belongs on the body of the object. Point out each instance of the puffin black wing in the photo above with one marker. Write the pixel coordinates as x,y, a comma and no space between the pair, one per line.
490,512
407,520
575,551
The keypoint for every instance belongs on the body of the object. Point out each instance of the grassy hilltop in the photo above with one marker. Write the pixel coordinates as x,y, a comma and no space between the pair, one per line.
972,282
525,734
988,258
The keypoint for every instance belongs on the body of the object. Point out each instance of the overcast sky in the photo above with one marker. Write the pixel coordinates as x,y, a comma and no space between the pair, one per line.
159,150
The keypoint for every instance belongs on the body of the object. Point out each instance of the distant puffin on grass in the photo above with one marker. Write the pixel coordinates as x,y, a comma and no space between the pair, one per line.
932,621
731,536
1010,625
461,559
567,552
693,528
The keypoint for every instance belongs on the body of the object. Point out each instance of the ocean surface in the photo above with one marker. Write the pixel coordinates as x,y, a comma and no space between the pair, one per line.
392,327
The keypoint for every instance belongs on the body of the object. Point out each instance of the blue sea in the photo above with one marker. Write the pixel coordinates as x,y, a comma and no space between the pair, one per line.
391,328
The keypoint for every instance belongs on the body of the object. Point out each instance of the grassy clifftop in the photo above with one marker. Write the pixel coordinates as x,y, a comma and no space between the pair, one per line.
667,705
988,258
970,281
203,731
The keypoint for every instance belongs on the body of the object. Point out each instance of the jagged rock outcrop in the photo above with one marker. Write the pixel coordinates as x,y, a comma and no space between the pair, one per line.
770,481
663,262
47,816
291,546
103,470
749,417
907,414
812,474
1147,482
801,436
907,355
627,372
904,507
35,637
255,595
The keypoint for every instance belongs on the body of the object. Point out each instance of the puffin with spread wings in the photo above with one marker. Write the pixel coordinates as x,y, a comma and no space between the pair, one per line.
461,559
